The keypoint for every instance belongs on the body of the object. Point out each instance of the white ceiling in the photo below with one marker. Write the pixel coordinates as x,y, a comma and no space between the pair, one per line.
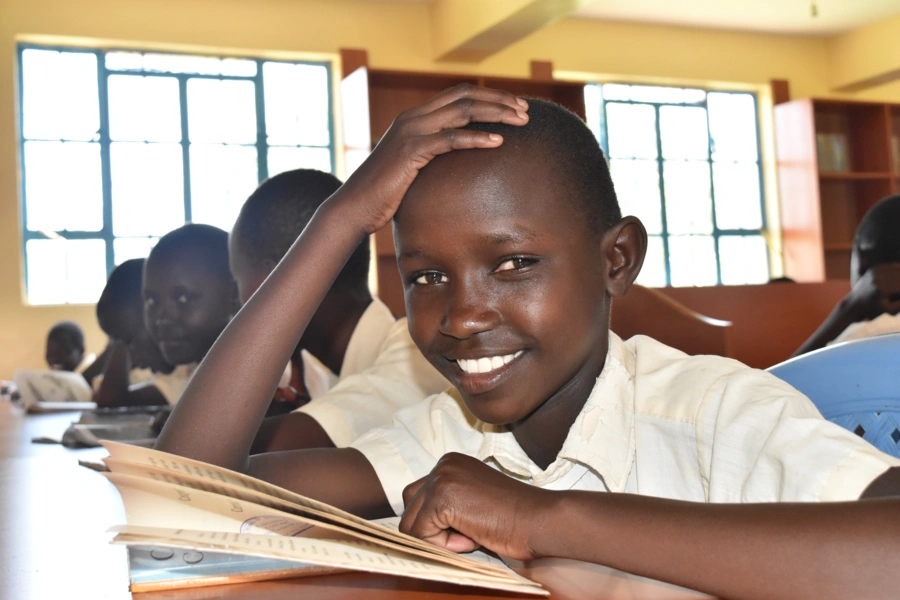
778,16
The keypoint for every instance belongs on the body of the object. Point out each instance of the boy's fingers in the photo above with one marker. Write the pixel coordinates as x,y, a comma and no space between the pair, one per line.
457,139
466,90
464,111
413,507
411,490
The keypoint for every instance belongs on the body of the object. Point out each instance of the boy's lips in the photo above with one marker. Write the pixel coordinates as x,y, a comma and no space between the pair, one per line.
486,364
479,375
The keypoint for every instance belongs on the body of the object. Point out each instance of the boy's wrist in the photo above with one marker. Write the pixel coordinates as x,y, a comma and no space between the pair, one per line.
348,212
548,531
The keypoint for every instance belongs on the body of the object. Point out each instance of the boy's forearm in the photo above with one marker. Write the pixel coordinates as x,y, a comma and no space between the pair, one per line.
113,390
222,408
822,551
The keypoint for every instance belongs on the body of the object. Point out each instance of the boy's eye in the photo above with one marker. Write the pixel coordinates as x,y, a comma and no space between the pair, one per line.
515,263
150,301
430,278
184,299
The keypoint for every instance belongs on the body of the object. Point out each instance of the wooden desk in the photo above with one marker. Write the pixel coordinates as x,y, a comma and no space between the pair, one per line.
53,541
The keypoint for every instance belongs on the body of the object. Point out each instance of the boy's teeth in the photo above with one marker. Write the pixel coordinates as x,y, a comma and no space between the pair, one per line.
487,363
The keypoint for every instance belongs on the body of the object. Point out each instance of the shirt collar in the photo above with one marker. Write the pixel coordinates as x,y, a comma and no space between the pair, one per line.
601,438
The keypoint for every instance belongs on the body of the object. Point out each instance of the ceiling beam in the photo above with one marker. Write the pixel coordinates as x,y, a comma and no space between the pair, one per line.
865,57
472,30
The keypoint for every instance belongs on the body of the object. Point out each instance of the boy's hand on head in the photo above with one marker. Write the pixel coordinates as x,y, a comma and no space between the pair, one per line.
417,136
464,504
877,292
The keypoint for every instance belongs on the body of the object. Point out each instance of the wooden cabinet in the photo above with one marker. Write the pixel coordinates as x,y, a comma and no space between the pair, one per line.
835,160
372,98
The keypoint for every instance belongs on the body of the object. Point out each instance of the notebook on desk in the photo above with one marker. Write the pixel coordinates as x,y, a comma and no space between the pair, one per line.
185,505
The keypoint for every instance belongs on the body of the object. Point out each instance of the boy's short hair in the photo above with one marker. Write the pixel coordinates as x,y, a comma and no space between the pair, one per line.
878,234
565,142
122,292
274,216
68,333
210,243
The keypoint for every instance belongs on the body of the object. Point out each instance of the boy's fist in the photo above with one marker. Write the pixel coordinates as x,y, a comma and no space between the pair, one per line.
463,504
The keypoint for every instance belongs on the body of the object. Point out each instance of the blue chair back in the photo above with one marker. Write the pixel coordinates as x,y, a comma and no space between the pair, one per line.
856,385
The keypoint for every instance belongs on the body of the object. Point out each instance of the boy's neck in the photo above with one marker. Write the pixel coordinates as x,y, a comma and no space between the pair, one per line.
329,331
542,433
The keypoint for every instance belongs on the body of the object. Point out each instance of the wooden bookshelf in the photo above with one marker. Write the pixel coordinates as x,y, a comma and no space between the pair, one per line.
389,93
835,160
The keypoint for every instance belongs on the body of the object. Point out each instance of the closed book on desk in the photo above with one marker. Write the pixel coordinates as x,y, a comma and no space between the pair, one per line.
177,503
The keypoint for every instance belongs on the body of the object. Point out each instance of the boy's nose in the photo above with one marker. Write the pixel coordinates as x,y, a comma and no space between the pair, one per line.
166,313
465,316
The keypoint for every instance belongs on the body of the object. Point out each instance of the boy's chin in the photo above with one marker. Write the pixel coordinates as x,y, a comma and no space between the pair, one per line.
494,411
179,354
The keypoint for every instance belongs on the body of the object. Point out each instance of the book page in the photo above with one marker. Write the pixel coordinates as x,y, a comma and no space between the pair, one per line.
312,507
356,556
157,504
166,483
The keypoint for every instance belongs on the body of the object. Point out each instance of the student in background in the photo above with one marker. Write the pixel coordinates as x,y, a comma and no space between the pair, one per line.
134,358
355,361
189,297
561,439
65,348
872,306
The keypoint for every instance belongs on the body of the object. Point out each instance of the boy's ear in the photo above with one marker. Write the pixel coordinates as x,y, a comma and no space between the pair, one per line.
624,246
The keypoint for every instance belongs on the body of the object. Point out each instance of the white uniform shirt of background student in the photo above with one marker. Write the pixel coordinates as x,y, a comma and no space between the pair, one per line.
382,373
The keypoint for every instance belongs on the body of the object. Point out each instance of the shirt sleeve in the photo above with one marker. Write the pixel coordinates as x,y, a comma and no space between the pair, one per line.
399,378
760,440
419,437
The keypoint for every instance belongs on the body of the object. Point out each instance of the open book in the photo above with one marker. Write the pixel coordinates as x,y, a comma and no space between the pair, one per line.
44,391
177,503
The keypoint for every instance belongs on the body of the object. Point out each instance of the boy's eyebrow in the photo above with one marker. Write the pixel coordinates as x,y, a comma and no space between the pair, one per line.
497,239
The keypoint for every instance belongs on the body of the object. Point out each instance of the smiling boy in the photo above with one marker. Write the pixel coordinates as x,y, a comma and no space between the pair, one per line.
511,251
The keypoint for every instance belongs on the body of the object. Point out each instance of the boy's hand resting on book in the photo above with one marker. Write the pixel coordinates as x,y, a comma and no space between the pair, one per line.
418,135
877,292
463,504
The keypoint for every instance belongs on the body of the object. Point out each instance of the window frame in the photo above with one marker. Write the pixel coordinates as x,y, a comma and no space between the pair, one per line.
104,141
717,233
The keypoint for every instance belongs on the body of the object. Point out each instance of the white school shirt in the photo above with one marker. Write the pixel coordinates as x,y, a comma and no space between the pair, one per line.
881,325
172,385
86,361
383,372
658,423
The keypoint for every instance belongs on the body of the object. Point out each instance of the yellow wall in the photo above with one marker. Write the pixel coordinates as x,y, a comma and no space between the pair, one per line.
397,36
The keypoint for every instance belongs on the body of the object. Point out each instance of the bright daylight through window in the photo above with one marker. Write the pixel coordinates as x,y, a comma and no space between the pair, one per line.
120,147
686,162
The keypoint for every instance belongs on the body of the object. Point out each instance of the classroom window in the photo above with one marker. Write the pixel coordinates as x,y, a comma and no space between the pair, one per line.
686,162
120,147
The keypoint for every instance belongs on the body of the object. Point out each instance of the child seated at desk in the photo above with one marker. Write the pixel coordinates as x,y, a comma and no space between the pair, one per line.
872,306
65,348
189,297
134,358
351,334
511,247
